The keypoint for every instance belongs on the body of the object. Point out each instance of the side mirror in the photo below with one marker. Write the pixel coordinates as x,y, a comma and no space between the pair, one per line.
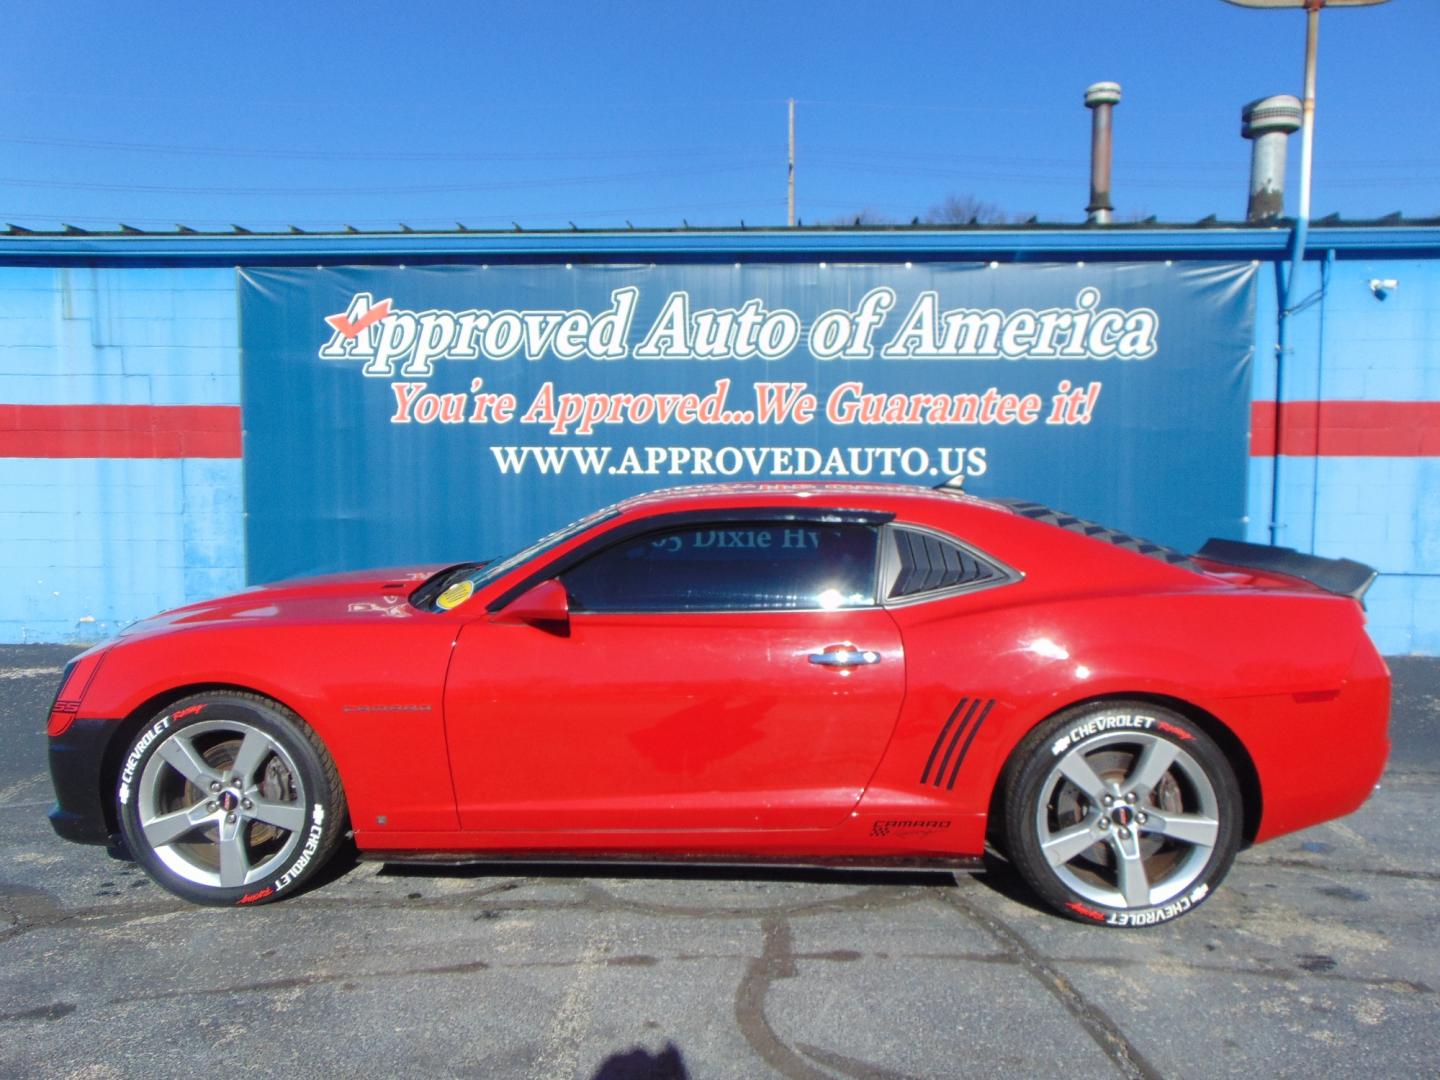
546,603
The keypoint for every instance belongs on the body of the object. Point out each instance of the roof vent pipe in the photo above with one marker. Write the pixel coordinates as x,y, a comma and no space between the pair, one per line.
1101,99
1268,123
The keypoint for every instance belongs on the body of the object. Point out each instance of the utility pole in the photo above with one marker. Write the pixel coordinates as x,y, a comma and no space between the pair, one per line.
1307,122
790,181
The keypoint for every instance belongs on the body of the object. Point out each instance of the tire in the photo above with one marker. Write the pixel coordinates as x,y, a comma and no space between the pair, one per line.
215,835
1121,814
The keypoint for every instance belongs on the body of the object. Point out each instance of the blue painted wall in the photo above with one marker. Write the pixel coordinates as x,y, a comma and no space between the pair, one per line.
87,545
1351,345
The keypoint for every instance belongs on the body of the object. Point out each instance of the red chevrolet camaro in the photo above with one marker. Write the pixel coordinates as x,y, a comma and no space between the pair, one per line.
803,674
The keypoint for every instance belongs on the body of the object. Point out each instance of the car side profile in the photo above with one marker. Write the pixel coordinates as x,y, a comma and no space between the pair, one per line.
801,674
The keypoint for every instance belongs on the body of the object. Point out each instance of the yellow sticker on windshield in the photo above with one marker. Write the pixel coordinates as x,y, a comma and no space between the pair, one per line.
455,595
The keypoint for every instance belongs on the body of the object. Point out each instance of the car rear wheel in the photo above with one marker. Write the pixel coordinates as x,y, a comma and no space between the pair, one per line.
229,798
1124,813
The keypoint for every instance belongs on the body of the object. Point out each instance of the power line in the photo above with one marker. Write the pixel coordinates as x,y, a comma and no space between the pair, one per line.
364,155
1174,184
891,154
416,189
310,102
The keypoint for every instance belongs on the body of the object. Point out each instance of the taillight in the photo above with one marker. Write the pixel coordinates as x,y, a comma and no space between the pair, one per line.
73,683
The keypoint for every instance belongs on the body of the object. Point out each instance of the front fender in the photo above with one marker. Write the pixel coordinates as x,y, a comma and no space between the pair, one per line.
373,692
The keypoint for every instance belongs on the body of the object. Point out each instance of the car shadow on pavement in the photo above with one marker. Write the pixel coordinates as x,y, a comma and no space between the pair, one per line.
667,872
998,876
1001,878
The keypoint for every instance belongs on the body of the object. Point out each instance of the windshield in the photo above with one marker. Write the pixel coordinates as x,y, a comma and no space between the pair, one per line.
491,571
455,585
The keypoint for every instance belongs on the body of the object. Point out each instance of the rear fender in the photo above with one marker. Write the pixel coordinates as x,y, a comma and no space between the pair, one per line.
1210,651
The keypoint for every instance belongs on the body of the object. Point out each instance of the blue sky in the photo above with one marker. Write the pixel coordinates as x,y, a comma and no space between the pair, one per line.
546,113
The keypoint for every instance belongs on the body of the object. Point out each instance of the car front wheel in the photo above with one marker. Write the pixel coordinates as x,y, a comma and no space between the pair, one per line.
229,798
1124,813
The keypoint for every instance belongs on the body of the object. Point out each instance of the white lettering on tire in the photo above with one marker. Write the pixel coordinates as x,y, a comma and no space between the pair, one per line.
312,844
1152,916
127,774
1095,725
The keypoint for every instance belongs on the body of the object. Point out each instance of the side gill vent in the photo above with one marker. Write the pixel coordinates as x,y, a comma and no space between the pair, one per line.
970,714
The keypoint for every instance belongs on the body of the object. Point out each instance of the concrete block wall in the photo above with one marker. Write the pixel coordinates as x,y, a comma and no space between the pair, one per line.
91,543
1360,463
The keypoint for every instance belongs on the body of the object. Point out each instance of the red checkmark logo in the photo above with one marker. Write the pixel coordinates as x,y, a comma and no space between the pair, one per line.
370,318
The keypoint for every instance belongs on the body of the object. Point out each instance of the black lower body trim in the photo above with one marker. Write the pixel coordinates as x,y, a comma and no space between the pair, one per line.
901,864
77,758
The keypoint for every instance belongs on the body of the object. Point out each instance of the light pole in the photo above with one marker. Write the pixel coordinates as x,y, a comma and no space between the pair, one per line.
1302,220
1307,121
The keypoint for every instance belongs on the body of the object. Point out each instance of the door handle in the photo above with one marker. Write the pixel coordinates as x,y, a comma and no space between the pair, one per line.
844,656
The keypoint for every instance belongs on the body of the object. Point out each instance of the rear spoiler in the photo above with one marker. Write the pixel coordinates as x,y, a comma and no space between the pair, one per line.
1344,577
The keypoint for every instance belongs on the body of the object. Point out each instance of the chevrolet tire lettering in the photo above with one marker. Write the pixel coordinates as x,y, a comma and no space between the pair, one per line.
127,774
1099,724
1160,914
312,844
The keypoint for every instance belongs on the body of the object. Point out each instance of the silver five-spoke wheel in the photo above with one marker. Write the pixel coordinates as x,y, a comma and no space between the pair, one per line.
230,798
1128,820
1125,813
221,803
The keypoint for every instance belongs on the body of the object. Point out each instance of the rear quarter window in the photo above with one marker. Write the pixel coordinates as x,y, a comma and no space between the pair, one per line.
921,563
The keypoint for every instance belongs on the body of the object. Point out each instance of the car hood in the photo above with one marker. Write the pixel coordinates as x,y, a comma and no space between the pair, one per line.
358,594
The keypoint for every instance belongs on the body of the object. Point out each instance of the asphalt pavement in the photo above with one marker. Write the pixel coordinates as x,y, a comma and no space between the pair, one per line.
1319,956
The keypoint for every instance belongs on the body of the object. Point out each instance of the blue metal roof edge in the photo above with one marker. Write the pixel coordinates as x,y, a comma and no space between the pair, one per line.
779,243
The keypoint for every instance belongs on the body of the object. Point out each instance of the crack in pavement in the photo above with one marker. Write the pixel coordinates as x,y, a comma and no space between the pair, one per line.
1286,863
1128,1061
34,909
777,960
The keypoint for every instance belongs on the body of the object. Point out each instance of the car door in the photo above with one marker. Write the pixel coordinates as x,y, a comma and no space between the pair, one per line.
717,674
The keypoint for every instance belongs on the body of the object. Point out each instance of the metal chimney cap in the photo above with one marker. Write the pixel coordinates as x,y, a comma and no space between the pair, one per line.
1102,93
1280,112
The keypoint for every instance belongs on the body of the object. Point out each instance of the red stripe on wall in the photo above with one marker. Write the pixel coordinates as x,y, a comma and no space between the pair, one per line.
120,431
1347,429
1307,429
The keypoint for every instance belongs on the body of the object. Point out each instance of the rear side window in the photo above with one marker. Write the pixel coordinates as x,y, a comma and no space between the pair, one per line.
928,563
760,566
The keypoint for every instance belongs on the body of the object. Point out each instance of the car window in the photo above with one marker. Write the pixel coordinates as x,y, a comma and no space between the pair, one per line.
926,563
490,571
731,566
